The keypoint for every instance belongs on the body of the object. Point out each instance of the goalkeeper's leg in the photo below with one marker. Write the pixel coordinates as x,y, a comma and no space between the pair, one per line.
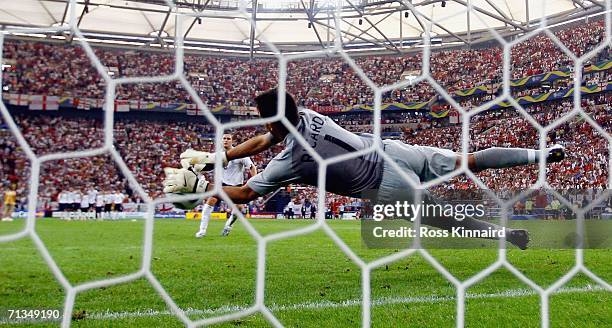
497,158
206,212
439,162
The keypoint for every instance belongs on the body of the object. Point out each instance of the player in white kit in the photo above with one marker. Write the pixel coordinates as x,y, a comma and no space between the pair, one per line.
84,207
62,200
233,175
91,198
99,205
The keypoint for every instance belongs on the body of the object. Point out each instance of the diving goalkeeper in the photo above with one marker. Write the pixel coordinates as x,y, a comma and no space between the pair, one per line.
366,176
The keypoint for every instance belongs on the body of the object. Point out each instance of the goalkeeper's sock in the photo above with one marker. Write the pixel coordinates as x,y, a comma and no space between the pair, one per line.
206,211
497,158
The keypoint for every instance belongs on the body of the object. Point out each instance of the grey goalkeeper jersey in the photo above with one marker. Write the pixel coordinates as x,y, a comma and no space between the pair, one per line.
295,165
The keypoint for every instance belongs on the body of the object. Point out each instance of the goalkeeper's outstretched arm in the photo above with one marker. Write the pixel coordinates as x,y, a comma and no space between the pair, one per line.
189,181
240,194
252,146
205,161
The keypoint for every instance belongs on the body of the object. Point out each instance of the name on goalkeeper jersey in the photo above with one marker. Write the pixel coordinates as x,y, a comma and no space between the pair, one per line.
424,232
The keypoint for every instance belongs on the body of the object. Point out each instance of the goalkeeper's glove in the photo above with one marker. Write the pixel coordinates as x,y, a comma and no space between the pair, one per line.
201,160
184,181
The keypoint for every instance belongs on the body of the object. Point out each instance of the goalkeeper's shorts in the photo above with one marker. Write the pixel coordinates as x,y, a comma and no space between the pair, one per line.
419,163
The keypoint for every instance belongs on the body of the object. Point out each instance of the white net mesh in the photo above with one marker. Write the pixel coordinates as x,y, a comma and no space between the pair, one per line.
259,304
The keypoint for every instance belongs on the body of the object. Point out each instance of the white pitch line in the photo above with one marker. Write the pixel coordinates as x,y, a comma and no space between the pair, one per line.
512,293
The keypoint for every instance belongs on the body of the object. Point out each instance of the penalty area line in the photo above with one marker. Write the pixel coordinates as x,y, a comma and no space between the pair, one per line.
512,293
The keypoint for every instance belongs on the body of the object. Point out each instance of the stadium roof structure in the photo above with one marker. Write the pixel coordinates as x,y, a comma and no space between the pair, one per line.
295,25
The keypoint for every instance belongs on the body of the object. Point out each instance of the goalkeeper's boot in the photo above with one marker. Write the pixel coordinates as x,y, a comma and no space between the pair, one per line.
226,232
556,153
7,219
518,237
200,234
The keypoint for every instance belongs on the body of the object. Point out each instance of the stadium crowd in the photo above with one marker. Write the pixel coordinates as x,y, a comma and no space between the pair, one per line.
147,147
325,84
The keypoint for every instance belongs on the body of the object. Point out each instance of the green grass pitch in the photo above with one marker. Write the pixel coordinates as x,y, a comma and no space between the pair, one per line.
309,281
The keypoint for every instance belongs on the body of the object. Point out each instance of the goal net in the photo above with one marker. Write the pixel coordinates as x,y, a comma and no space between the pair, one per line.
408,79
